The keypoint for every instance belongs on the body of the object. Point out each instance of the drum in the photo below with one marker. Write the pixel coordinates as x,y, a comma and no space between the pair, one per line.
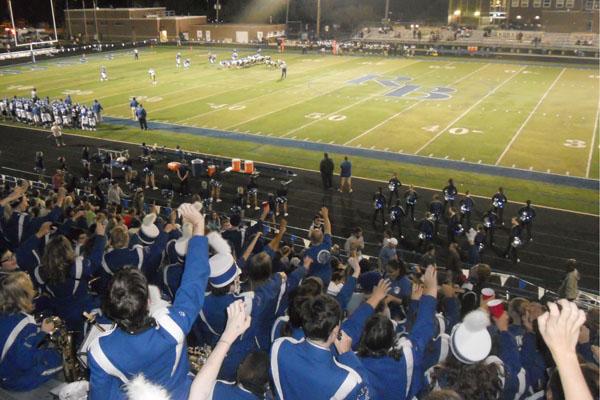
236,165
173,166
248,167
212,170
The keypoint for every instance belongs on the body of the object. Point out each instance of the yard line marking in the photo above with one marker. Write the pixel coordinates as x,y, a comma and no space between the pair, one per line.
529,117
304,99
362,100
468,110
385,121
589,161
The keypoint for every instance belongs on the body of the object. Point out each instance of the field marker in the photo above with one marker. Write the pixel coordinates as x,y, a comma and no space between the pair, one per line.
408,108
468,110
529,117
514,165
401,151
306,139
331,142
479,162
358,145
589,161
386,149
445,158
318,140
293,137
430,154
568,173
531,168
362,100
548,170
462,159
258,133
372,147
269,134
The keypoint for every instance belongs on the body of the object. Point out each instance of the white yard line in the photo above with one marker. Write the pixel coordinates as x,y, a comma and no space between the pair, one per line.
529,117
592,146
408,108
468,110
349,105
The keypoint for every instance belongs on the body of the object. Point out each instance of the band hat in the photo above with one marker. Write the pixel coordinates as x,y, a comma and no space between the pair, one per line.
181,244
470,340
223,268
393,242
496,308
148,231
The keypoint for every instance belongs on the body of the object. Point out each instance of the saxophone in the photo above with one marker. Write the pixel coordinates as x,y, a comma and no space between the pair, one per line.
63,340
197,357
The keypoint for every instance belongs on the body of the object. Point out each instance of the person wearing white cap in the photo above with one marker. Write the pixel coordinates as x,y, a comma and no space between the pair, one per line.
388,252
146,342
171,274
224,285
147,233
470,367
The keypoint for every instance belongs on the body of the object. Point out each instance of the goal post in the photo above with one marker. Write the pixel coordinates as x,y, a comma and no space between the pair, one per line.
32,43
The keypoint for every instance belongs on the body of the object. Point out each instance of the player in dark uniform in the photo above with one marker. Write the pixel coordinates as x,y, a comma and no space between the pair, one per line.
379,206
499,201
394,185
396,215
466,208
410,198
527,216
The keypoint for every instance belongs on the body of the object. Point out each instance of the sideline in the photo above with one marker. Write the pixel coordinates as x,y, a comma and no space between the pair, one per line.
306,169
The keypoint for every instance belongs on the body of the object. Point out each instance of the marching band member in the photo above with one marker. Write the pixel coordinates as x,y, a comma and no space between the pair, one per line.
24,365
410,198
499,201
514,241
396,215
490,219
252,192
64,277
426,230
436,209
466,208
394,185
379,206
307,368
454,227
156,337
527,216
450,193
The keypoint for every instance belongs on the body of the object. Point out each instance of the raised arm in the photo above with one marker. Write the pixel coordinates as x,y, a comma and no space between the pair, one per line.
326,221
237,323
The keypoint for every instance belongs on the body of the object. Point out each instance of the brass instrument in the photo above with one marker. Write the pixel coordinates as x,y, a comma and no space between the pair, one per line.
63,340
198,356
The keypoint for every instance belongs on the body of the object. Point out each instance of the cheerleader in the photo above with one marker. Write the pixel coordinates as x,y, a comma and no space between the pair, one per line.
24,363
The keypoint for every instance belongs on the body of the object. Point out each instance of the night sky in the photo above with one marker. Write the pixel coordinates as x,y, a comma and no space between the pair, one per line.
345,12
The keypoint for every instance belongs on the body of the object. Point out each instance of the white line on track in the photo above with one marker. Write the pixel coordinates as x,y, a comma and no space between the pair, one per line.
589,161
512,140
468,110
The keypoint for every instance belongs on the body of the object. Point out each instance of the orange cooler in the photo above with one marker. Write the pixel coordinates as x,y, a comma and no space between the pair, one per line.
212,169
248,167
236,165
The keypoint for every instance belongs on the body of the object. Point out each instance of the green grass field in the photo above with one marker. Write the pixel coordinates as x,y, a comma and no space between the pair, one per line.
534,117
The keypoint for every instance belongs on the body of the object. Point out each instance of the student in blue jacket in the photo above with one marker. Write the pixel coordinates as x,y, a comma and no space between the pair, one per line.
64,277
24,365
384,357
307,368
252,374
150,343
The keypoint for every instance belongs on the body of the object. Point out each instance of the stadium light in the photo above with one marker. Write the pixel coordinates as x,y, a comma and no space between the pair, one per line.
457,13
477,13
518,17
537,17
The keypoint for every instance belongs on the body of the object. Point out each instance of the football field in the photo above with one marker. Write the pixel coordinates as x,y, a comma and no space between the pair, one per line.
538,117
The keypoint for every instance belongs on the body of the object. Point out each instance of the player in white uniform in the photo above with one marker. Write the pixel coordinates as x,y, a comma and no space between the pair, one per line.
187,63
103,74
152,74
178,60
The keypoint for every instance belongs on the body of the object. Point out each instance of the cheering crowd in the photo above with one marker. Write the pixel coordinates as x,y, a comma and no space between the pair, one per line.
140,287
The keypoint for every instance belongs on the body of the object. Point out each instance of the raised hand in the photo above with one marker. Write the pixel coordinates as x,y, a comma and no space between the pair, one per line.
237,321
560,329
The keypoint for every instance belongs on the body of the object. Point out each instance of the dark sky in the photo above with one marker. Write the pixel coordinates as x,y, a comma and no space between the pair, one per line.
346,12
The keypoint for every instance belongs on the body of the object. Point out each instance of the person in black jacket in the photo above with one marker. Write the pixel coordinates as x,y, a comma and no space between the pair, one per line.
527,216
515,241
379,206
326,169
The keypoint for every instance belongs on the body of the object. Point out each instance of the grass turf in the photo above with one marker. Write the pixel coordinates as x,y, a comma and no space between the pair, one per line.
539,117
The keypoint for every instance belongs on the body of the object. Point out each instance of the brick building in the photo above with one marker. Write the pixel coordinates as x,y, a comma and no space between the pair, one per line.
131,24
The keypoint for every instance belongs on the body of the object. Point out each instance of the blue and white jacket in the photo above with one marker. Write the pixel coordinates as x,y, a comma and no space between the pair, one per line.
116,356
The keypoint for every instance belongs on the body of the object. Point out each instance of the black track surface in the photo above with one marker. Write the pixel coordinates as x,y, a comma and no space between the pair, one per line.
558,235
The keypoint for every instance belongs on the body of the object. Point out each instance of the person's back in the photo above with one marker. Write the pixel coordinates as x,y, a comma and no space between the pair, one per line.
346,169
307,369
